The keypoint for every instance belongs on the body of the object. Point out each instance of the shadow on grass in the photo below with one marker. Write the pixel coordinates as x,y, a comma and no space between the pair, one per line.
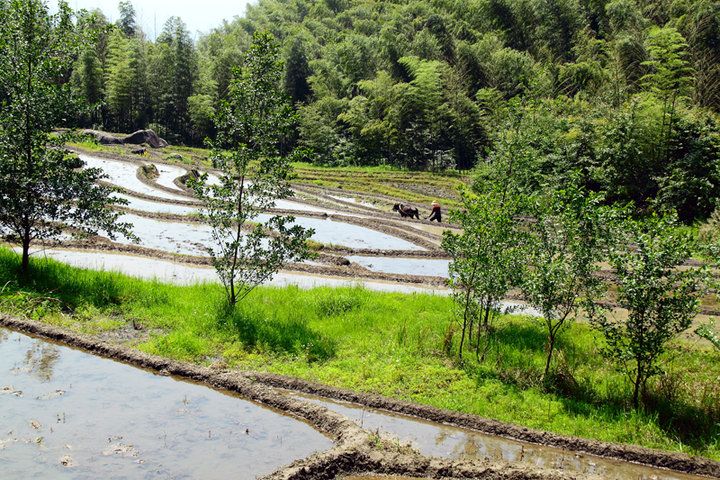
72,286
291,336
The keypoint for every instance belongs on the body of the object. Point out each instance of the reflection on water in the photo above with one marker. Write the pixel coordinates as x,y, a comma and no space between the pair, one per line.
40,360
66,414
438,440
192,238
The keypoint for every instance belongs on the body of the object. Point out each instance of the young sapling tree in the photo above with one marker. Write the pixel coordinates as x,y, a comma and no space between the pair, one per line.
253,121
565,244
661,296
486,261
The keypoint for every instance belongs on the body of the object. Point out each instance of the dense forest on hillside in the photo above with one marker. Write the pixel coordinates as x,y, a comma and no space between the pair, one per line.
622,94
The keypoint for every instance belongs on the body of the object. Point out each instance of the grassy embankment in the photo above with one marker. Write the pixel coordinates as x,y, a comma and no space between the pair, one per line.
391,344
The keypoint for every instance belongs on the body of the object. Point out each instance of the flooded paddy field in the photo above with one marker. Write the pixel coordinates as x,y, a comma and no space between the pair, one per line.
69,414
404,266
189,238
445,441
149,206
124,174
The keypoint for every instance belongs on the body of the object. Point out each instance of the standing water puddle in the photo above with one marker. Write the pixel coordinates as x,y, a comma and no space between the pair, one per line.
428,267
124,174
69,414
190,238
438,440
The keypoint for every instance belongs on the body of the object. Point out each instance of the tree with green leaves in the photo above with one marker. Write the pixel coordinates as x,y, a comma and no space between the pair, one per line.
251,124
42,193
172,74
708,333
669,78
126,82
127,22
297,72
486,262
660,296
566,240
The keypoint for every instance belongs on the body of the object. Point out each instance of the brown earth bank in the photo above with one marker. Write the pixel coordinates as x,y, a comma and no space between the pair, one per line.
359,451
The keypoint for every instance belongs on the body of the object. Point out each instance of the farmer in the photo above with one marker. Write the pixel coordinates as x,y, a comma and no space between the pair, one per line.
436,214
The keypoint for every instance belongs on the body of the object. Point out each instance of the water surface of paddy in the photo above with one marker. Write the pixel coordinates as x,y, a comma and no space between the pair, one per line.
66,414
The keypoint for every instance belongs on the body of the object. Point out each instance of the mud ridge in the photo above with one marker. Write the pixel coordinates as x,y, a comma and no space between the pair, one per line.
629,453
383,460
140,175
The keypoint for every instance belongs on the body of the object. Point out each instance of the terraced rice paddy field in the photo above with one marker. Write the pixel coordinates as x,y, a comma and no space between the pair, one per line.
68,413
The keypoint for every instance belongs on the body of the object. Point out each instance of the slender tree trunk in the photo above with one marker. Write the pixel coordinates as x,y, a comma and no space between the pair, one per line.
487,333
636,390
25,265
465,315
26,240
551,348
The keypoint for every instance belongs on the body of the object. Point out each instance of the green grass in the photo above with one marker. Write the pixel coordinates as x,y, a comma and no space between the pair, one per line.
401,346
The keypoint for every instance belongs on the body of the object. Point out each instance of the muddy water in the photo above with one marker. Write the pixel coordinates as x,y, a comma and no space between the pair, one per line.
190,238
124,174
349,235
404,266
167,236
168,174
438,440
103,419
156,207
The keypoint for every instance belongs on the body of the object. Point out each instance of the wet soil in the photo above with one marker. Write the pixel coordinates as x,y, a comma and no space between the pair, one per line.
446,441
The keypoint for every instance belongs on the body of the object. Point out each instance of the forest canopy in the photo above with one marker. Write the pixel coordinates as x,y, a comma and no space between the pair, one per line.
624,94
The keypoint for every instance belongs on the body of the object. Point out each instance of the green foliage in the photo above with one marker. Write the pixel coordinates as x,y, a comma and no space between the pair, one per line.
670,75
487,262
405,84
41,192
660,297
707,332
172,72
251,123
566,240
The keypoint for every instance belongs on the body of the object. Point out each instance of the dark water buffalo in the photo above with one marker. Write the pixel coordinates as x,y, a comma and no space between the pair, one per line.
406,211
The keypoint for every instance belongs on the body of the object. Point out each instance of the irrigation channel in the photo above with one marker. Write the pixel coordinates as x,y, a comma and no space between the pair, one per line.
74,407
